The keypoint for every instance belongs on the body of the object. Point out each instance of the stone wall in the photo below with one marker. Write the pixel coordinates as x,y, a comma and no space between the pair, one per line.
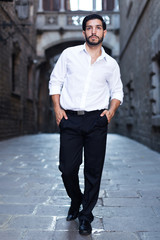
18,93
139,116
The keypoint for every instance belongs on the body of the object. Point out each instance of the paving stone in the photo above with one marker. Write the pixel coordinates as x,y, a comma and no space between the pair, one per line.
63,225
132,224
150,235
149,193
123,194
156,210
140,187
38,234
69,235
125,212
49,210
12,191
32,222
5,199
4,219
11,234
34,204
97,224
115,236
20,209
122,202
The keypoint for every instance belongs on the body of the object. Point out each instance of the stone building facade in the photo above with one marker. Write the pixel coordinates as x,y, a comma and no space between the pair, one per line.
139,116
18,82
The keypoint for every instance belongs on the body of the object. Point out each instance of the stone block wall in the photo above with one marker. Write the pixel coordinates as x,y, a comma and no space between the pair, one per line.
139,116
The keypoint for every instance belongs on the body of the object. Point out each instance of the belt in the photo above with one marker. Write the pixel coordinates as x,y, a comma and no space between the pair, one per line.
80,113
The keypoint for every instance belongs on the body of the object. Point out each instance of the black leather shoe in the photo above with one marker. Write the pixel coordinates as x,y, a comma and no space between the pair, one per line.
72,214
85,227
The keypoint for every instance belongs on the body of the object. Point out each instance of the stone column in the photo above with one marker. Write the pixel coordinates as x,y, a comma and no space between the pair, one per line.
62,6
94,5
40,6
116,5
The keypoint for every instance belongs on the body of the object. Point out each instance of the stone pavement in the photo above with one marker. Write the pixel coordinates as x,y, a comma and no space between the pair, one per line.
33,202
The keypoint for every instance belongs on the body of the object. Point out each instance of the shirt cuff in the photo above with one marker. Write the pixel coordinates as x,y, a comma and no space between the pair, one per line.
118,97
54,90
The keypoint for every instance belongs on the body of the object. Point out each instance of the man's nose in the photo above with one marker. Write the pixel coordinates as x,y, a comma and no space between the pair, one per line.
93,30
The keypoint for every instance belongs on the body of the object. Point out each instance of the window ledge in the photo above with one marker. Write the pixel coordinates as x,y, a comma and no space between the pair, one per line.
129,120
156,121
16,94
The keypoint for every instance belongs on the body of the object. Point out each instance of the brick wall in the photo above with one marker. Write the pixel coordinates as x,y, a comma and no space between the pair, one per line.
18,111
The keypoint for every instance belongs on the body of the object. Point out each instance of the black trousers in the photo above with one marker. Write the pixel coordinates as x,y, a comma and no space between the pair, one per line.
83,134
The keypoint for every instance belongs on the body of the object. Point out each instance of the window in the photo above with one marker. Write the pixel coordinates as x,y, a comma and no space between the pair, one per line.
15,63
130,98
30,80
89,5
51,5
155,79
15,75
22,8
80,5
108,5
155,86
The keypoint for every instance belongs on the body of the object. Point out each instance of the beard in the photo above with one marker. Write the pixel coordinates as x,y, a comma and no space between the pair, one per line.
92,43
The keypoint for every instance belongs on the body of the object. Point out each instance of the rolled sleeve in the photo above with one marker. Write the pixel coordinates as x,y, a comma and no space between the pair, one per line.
54,89
116,87
57,77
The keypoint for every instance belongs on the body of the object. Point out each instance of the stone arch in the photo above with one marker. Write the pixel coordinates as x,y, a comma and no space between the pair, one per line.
48,40
57,48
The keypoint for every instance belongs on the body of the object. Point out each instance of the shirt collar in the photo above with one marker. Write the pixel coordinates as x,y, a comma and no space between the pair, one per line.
103,55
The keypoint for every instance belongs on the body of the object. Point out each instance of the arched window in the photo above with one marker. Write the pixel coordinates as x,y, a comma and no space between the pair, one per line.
15,64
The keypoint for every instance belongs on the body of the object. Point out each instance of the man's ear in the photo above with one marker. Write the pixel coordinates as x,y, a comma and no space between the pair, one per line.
83,33
105,32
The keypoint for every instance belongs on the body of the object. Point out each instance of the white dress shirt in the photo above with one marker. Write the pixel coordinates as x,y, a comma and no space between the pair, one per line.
82,85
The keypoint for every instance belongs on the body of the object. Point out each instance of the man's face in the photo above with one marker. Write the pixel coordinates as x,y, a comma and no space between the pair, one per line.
94,32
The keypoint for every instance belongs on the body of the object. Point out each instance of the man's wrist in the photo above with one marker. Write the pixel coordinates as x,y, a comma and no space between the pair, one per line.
111,112
57,107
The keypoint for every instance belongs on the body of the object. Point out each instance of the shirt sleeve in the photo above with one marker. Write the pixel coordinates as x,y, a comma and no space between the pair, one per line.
58,74
116,87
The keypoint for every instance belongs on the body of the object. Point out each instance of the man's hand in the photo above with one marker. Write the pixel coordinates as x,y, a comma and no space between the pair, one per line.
60,113
108,114
113,107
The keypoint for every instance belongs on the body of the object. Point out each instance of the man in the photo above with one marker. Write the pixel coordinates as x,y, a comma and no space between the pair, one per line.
83,81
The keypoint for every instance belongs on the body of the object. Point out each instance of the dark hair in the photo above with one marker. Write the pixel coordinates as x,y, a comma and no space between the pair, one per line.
90,17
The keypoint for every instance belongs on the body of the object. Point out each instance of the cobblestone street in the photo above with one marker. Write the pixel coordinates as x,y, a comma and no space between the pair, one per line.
34,204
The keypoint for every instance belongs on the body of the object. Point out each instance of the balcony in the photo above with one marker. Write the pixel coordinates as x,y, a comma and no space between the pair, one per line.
72,19
57,26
